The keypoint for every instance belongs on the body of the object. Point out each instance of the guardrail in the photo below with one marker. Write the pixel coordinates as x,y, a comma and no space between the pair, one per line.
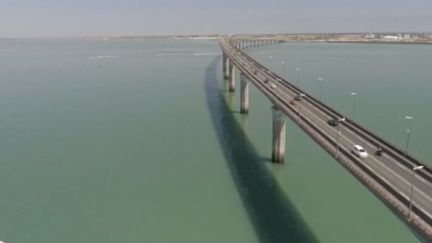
389,148
328,143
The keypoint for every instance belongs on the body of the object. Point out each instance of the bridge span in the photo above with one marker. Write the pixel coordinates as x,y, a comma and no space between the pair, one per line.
399,180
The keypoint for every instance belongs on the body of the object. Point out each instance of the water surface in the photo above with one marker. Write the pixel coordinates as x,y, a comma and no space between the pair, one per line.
136,141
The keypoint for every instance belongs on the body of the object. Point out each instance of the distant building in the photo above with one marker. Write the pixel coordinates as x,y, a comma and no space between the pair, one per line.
391,37
370,36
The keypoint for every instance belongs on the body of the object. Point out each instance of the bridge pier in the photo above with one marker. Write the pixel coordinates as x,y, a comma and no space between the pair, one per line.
225,65
231,77
279,133
244,94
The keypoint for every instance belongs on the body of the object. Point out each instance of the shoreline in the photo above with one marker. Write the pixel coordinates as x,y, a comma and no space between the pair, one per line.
364,42
212,38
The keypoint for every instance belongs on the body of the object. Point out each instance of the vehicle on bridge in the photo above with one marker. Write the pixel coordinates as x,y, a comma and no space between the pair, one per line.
379,151
299,97
333,122
392,174
360,151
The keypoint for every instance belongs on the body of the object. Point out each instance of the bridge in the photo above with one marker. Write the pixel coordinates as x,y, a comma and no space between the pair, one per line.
399,180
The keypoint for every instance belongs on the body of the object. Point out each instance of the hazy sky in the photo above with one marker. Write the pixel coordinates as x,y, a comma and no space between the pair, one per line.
50,18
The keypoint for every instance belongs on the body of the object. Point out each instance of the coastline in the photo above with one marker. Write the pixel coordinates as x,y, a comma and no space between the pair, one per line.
365,42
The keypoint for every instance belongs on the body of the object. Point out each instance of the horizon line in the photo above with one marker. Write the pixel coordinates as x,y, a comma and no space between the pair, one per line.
208,35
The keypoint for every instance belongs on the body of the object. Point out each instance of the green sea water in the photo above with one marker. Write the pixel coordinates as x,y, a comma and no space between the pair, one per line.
136,141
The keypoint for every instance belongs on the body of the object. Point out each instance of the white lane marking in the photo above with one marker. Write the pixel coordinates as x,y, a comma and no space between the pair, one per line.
370,145
308,105
377,161
391,160
287,90
347,141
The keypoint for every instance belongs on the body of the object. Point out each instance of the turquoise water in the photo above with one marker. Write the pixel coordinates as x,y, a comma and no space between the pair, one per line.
134,141
110,149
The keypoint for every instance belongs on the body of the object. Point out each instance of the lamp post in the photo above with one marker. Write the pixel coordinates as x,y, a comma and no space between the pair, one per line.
322,87
283,68
414,169
408,131
354,94
338,135
271,60
298,70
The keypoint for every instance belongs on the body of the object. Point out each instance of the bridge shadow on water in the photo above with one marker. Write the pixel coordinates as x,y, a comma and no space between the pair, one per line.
273,216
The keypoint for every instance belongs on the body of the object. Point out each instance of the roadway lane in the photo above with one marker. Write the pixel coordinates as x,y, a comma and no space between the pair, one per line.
405,161
393,173
385,166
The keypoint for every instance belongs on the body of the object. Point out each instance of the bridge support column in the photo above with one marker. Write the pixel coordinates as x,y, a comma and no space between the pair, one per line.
225,65
228,65
244,94
231,78
279,133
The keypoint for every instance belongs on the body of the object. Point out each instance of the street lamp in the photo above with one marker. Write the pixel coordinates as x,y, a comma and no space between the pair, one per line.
322,87
414,169
283,68
338,135
408,131
298,70
354,94
271,60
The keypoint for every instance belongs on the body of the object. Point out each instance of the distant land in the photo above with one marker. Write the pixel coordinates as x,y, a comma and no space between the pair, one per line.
383,37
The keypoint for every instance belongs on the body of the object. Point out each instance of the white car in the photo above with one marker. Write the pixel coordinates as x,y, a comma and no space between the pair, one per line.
360,151
273,85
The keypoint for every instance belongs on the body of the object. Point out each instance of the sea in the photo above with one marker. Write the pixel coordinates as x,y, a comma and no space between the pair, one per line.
138,141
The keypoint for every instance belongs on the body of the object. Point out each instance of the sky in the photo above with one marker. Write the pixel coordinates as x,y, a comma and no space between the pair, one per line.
77,18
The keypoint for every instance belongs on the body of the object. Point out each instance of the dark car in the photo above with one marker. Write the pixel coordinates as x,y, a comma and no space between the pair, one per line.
298,97
333,122
379,151
266,80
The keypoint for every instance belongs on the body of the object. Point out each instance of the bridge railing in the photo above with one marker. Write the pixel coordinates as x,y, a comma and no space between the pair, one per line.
311,129
386,192
389,148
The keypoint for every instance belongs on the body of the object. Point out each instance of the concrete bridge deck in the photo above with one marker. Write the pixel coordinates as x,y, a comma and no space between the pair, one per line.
390,176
